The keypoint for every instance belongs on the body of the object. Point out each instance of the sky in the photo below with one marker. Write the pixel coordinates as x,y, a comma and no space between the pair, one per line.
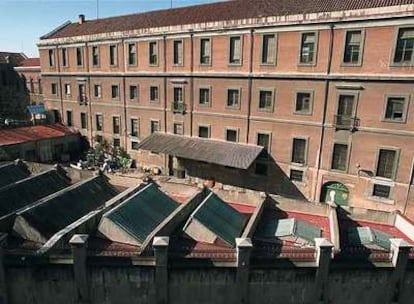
22,22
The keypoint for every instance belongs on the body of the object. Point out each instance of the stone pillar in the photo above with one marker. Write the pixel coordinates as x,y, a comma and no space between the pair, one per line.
79,244
244,249
400,251
160,245
3,281
323,260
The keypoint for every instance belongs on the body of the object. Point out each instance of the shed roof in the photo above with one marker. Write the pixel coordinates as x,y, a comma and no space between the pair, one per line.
221,11
143,212
58,210
220,218
31,189
10,173
223,153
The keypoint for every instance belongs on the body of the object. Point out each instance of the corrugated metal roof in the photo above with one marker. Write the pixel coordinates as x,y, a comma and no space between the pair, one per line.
10,173
220,218
211,151
66,206
221,11
143,212
31,189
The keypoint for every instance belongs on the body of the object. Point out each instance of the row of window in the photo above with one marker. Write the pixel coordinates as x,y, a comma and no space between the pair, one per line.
352,51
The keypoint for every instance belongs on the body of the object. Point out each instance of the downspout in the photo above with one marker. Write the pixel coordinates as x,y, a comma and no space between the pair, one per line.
250,84
166,157
89,95
325,106
125,128
191,82
60,84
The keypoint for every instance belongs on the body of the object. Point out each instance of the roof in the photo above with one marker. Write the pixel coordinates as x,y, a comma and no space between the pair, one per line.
32,133
58,210
223,153
10,173
221,11
16,58
30,62
220,218
31,189
143,212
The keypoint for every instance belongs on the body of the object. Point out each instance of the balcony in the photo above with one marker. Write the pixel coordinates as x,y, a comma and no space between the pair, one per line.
344,122
83,100
178,107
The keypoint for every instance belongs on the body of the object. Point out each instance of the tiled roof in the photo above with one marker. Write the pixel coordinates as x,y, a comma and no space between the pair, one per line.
223,153
143,212
16,58
30,62
10,173
57,211
221,11
33,133
31,189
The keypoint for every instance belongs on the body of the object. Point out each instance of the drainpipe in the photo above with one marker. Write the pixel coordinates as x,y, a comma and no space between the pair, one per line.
125,128
89,95
326,100
191,82
250,84
60,84
166,157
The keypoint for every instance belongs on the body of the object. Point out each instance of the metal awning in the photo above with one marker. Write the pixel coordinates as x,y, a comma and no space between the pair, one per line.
36,109
223,153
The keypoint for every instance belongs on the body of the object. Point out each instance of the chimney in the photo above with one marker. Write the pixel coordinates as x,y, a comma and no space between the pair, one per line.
81,19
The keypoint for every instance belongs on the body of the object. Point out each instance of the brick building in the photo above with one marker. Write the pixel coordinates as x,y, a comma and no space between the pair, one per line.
323,86
29,71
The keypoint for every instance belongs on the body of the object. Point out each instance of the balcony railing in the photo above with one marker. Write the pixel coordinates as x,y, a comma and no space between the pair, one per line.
83,100
178,107
344,122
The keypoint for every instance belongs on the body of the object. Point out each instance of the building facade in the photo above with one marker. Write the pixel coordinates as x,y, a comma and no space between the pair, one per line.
29,71
325,89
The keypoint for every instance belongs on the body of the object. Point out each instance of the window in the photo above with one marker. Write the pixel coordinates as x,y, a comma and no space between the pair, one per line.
263,139
299,151
51,58
235,50
79,56
154,93
95,56
115,91
134,145
134,127
404,50
178,95
82,93
178,52
132,54
153,53
352,51
69,119
296,175
269,49
308,48
99,139
395,109
204,131
113,55
64,57
116,142
53,89
116,124
233,98
339,157
205,51
97,89
67,89
133,92
261,169
178,128
381,191
303,103
84,121
266,100
155,126
204,97
386,165
345,112
99,122
232,135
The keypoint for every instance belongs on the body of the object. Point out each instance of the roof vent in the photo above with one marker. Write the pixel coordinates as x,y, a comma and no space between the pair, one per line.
81,19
